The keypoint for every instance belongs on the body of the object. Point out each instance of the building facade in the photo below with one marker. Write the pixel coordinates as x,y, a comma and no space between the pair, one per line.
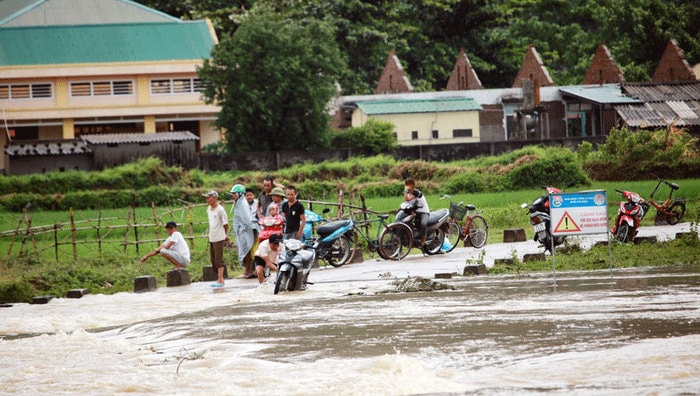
110,67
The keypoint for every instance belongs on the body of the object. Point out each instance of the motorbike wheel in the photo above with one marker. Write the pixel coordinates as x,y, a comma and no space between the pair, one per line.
676,213
281,282
452,235
477,231
395,241
340,252
623,233
433,242
547,242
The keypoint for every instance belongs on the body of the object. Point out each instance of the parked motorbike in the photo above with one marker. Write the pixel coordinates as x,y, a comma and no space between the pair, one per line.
294,267
408,230
334,238
629,215
540,219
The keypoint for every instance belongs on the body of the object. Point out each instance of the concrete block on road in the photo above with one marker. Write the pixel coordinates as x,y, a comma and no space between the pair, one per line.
42,299
474,270
178,277
209,275
534,257
145,283
514,235
77,293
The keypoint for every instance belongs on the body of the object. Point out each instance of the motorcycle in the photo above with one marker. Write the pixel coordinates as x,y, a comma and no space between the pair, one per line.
408,230
294,268
540,220
629,215
334,241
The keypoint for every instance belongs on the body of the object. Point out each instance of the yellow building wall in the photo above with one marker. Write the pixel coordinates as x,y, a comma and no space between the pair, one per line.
208,133
424,123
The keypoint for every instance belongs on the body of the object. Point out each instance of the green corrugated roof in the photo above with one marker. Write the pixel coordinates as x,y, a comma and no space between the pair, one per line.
601,94
417,106
135,42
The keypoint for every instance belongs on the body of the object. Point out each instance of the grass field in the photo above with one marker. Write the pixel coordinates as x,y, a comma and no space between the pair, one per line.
99,250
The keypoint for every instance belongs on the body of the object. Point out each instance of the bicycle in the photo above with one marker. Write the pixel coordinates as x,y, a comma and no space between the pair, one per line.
475,229
670,211
373,244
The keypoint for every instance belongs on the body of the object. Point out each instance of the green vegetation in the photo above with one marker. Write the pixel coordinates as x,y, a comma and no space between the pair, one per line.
428,34
115,222
681,251
273,79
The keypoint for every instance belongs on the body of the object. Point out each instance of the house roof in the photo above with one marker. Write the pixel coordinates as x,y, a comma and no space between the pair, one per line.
126,138
47,148
652,92
418,106
14,13
676,103
600,94
484,97
128,42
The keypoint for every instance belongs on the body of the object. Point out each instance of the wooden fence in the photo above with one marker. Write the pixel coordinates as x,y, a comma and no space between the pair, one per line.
126,232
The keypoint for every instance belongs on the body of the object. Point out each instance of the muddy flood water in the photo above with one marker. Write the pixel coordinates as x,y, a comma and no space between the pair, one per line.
635,334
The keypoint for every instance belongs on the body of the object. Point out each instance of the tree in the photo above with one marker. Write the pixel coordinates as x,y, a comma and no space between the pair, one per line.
374,137
273,79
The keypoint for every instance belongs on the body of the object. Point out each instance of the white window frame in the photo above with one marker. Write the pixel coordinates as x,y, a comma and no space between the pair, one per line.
99,88
174,86
33,91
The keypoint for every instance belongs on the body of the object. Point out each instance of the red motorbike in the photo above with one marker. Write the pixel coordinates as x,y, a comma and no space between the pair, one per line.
629,215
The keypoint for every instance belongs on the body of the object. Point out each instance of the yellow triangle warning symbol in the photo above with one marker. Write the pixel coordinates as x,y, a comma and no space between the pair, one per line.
567,224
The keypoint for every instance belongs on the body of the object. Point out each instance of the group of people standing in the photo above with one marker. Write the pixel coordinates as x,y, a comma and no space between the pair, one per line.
259,226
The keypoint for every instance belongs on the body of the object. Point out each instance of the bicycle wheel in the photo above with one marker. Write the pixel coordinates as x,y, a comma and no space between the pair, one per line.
452,235
477,231
676,212
395,241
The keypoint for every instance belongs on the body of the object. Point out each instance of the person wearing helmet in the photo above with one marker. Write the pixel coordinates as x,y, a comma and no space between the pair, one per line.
278,197
243,230
267,255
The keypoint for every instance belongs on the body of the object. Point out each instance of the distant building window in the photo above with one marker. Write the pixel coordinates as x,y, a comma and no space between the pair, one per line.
102,88
414,135
435,134
26,91
457,133
176,85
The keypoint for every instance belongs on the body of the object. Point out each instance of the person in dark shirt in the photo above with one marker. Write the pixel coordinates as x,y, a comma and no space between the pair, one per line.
294,217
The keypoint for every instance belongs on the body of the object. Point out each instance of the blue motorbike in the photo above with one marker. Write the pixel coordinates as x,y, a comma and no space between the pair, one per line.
334,240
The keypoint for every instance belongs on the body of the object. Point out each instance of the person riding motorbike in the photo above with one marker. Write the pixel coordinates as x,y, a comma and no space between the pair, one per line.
410,193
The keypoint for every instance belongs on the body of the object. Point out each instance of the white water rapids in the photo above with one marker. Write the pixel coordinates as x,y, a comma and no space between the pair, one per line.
637,333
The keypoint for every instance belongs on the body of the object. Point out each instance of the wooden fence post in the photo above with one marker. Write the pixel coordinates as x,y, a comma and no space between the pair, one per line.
73,234
128,226
99,236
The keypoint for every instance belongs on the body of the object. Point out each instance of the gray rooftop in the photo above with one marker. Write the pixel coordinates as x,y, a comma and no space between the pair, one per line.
126,138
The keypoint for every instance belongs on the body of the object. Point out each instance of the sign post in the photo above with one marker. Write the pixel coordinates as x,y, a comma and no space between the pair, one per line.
579,213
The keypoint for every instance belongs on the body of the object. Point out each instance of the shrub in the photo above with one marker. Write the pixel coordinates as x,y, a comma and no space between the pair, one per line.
467,182
374,137
419,170
17,290
557,167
